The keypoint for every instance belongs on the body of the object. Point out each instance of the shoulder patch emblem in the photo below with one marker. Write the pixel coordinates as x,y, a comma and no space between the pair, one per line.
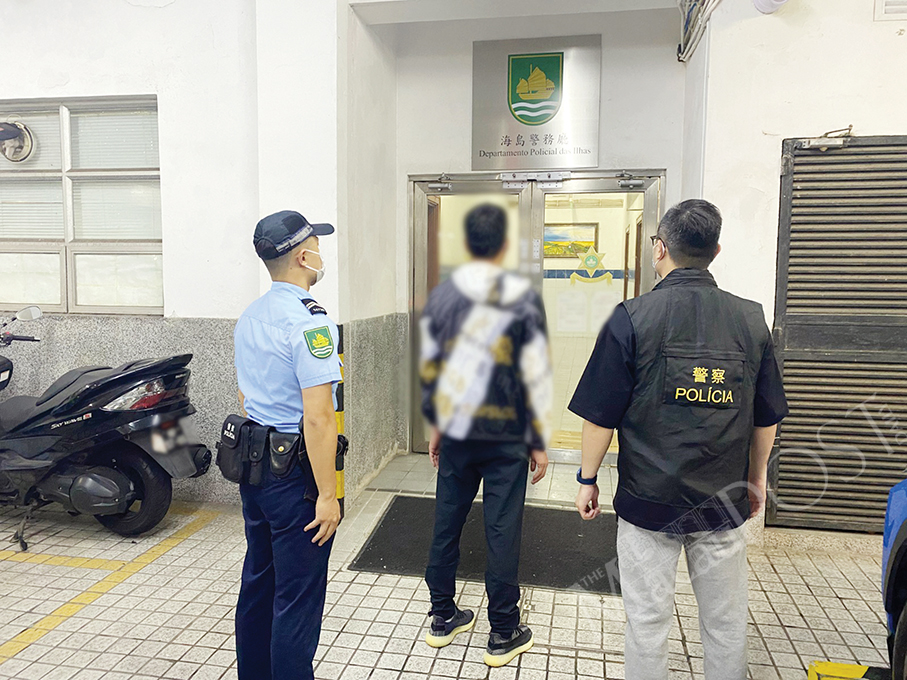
320,342
314,307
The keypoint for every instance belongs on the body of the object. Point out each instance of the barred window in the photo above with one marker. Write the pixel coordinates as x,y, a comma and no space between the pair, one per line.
80,217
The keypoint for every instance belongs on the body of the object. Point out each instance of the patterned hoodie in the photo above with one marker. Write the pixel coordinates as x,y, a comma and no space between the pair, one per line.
485,365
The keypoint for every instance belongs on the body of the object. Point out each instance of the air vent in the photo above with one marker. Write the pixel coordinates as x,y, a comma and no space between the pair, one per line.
848,236
891,10
842,447
841,331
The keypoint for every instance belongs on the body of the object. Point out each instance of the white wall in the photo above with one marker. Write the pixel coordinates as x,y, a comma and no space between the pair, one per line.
200,63
367,156
247,100
694,120
297,59
642,104
812,67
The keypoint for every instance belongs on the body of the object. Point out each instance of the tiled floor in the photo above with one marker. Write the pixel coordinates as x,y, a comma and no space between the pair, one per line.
89,605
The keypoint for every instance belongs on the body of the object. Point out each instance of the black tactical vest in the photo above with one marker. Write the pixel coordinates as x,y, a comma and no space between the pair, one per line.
685,438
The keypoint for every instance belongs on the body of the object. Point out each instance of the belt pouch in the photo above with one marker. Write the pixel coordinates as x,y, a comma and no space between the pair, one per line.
257,449
233,448
283,453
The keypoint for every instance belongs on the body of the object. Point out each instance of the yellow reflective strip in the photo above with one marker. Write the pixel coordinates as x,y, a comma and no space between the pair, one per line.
341,484
341,421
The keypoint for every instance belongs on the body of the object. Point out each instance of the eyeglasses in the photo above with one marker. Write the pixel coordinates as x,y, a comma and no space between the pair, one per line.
655,237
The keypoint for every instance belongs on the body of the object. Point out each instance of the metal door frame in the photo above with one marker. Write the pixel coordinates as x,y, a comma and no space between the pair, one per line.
420,188
650,184
532,220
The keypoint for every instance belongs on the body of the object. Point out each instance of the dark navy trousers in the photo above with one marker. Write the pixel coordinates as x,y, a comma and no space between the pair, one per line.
284,579
504,468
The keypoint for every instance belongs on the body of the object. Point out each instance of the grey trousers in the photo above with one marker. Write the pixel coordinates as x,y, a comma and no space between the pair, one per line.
648,568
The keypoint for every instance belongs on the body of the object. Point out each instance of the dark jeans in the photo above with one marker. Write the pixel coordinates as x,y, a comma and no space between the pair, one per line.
503,466
284,579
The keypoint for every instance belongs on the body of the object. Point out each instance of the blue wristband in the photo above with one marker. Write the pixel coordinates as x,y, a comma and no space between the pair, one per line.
583,480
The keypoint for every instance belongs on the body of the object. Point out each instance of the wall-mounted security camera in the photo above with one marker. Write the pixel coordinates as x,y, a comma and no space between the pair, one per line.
768,6
16,141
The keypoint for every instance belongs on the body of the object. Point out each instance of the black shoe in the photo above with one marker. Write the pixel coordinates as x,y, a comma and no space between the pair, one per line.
443,632
502,650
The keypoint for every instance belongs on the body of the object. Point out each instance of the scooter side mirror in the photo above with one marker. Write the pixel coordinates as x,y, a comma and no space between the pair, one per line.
29,314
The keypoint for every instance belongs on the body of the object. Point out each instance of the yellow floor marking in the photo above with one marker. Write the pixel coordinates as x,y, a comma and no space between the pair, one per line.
125,569
182,508
61,560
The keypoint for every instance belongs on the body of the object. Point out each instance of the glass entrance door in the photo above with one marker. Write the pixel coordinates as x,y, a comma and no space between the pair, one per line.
439,246
580,241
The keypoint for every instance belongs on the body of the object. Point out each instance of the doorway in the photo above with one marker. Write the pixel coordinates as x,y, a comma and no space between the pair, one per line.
579,240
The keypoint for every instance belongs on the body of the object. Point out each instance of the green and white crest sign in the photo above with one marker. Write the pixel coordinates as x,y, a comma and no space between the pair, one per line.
536,103
536,82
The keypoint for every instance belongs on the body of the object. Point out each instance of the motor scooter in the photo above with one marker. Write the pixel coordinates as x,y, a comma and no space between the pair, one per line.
100,441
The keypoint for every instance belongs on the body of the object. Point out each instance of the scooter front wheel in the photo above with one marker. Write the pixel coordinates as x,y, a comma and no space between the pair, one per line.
153,489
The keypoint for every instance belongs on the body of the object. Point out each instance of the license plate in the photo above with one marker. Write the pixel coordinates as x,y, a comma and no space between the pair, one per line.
182,434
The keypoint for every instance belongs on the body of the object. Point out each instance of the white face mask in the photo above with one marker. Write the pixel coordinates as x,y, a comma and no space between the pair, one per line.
319,273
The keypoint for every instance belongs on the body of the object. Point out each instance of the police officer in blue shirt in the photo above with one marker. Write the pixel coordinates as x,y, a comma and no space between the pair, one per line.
287,367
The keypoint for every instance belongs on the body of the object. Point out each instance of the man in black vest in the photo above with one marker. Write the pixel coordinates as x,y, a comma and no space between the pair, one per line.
687,375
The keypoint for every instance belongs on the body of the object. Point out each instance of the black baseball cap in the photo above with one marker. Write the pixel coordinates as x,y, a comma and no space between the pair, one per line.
9,131
278,234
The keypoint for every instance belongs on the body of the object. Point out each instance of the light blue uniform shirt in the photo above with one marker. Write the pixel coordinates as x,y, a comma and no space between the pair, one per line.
282,349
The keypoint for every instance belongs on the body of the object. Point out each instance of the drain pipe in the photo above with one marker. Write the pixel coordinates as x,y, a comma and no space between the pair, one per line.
768,6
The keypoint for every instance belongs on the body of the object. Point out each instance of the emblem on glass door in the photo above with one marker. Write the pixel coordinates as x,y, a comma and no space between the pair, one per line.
535,86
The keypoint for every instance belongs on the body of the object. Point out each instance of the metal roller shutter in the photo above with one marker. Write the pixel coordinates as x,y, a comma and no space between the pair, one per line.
841,332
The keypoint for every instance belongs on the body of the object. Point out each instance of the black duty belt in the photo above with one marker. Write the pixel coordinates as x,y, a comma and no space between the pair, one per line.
245,447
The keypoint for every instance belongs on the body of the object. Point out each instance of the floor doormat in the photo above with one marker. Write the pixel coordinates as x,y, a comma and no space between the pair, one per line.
559,549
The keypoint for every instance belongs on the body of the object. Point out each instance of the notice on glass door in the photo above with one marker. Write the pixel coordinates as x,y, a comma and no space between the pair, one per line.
572,312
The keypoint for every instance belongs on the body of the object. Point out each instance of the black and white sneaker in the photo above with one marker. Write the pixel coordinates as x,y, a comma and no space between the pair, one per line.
443,632
502,650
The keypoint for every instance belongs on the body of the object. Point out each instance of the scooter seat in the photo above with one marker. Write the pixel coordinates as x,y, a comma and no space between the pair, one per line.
66,380
15,411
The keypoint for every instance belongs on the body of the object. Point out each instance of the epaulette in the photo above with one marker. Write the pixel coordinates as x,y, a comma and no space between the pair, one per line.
314,307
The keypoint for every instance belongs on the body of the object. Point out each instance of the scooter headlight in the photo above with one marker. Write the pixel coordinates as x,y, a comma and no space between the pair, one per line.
142,397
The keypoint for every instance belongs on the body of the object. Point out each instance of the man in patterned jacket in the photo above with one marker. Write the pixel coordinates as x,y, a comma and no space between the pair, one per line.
487,392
